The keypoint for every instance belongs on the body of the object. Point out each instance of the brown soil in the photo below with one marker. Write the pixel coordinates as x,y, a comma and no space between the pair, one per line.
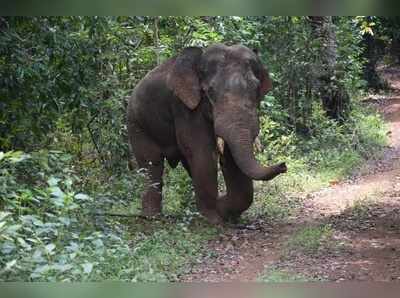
362,213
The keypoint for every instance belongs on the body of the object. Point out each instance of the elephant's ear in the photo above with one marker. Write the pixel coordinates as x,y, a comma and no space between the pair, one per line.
266,83
184,79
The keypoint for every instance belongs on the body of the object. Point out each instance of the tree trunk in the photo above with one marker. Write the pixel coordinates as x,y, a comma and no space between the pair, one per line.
334,96
373,52
157,40
395,49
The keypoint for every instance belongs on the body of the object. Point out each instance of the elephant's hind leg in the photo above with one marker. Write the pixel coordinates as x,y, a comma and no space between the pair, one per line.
150,159
152,197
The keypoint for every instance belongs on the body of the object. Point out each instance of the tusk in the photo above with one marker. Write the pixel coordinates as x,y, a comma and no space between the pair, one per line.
220,145
257,144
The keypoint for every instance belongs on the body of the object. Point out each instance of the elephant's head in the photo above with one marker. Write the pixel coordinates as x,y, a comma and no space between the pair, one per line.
234,80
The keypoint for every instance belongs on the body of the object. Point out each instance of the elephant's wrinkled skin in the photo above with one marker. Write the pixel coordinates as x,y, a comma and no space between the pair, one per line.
179,109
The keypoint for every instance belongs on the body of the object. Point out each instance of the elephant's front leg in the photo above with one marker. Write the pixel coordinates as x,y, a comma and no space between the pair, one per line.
239,187
203,168
200,160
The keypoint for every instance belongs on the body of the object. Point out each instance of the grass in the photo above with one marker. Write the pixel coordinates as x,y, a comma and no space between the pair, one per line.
48,231
281,276
311,239
163,250
79,247
332,153
280,198
360,207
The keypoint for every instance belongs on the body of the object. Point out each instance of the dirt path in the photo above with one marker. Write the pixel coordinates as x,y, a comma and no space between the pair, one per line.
360,218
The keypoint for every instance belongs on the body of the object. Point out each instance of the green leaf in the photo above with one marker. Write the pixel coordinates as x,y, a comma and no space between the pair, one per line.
8,247
3,215
98,243
62,267
65,220
40,271
82,197
15,156
23,243
13,229
10,264
53,181
73,246
68,183
50,247
87,267
37,256
58,196
2,224
57,192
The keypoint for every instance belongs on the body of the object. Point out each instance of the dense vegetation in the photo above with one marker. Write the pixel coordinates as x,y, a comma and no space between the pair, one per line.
64,155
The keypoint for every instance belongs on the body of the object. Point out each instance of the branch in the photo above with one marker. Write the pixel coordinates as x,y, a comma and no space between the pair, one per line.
94,141
118,215
187,36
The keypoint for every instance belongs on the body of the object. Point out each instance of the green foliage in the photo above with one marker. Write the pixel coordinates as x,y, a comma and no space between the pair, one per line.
178,193
48,231
329,145
64,87
380,43
332,151
276,275
274,204
310,239
76,72
41,218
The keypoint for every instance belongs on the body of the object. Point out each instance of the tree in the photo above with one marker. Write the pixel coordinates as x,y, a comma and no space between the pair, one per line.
380,38
327,74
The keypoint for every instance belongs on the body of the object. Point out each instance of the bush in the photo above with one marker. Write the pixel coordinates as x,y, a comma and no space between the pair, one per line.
48,231
330,152
66,89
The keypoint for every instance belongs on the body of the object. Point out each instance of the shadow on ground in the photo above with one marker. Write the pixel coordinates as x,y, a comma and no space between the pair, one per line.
364,245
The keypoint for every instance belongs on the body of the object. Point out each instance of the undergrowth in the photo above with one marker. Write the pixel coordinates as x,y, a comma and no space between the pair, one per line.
329,152
310,239
278,276
52,230
51,202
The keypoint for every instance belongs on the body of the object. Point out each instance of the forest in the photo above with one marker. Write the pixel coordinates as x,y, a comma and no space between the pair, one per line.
70,188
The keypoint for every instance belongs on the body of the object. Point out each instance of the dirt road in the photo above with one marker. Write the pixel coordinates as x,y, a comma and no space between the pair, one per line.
355,225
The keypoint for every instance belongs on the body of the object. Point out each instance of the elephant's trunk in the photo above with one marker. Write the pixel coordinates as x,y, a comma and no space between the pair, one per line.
241,145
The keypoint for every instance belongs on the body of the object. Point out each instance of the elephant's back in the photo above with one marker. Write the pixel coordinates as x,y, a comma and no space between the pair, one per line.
151,93
149,107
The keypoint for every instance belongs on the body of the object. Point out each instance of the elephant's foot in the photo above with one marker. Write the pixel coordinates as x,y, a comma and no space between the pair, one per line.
151,203
230,209
223,208
212,216
228,216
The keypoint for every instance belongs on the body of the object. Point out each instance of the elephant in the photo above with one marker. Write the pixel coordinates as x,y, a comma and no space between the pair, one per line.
199,108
